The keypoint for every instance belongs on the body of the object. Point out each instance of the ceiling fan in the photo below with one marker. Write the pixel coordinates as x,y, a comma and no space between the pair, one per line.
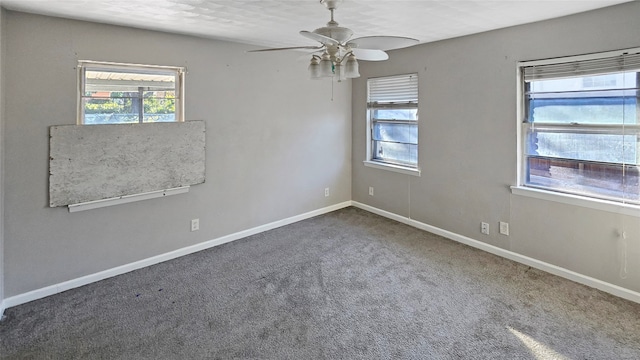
337,55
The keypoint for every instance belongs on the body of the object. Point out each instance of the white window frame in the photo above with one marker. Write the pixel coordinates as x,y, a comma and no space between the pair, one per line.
377,164
84,65
572,199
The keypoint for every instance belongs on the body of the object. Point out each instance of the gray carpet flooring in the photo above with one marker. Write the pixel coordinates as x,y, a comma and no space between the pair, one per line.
345,285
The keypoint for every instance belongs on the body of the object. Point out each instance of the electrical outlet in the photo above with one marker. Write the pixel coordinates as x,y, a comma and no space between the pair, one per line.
484,228
504,228
326,191
371,190
195,224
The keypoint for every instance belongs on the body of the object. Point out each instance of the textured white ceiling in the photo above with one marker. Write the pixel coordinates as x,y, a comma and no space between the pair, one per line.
274,23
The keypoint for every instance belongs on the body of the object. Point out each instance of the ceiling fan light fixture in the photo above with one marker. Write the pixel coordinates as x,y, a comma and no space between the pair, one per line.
339,72
314,68
351,68
326,66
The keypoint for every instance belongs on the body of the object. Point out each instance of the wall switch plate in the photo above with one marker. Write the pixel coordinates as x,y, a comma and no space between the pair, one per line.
326,191
195,224
484,228
371,190
504,228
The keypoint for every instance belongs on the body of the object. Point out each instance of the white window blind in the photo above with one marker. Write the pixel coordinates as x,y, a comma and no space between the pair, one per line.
614,64
399,90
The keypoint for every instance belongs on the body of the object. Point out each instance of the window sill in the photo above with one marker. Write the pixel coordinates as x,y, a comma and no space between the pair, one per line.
604,205
394,168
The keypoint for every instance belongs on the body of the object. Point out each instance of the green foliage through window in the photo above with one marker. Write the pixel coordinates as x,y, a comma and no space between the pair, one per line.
122,93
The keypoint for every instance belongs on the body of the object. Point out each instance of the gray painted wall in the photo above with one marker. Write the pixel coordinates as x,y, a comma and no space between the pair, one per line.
274,141
467,153
2,52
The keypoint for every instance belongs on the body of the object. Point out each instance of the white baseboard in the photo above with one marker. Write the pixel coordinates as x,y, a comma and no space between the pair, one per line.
541,265
88,279
2,307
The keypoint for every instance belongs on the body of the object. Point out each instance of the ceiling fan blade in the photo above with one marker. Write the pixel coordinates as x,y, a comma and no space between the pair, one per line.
289,48
320,38
382,42
370,54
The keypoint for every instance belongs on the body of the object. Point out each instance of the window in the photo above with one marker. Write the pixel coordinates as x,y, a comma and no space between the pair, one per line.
113,93
581,128
392,107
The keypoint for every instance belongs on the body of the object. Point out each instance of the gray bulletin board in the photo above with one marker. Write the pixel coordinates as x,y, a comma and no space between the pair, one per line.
96,162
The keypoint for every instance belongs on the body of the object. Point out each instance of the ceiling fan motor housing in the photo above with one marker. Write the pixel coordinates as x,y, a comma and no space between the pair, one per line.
338,33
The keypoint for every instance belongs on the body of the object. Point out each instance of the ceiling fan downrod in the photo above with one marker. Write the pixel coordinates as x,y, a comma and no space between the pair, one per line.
331,5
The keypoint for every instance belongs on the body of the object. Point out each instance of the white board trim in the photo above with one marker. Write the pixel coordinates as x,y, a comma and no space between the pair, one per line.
127,199
540,265
88,279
